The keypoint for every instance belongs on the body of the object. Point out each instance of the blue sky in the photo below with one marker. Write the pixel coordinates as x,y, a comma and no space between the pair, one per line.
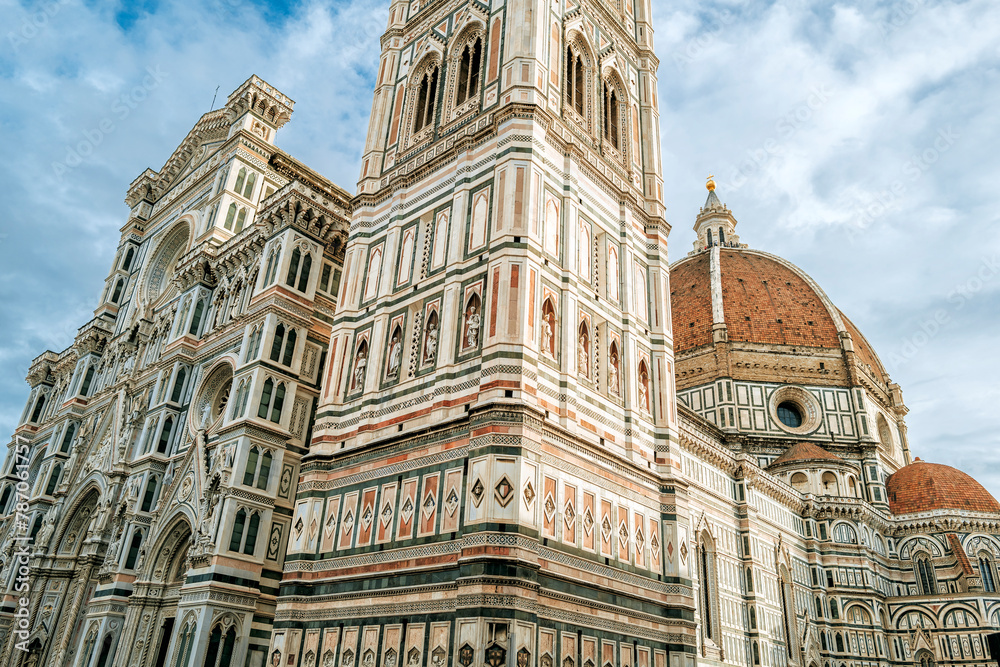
858,139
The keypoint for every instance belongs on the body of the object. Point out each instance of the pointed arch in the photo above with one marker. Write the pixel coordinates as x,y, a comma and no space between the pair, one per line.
578,78
549,328
614,112
423,95
69,537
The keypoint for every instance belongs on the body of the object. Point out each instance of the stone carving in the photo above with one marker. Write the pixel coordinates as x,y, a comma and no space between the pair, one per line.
431,341
395,354
472,323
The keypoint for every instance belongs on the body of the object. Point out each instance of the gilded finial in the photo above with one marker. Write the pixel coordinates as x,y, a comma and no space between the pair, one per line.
710,184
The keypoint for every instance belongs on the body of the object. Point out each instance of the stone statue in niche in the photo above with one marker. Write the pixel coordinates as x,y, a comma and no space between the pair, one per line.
395,354
472,323
359,369
583,355
431,341
613,372
643,390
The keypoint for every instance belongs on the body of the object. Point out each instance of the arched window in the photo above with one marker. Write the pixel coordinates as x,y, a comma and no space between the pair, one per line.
286,358
214,640
468,71
240,177
924,571
241,220
426,100
199,311
831,487
165,433
756,654
279,402
127,262
612,120
251,467
228,647
749,580
250,543
708,598
839,643
248,190
986,572
3,500
753,618
819,608
276,342
239,525
117,294
133,550
304,272
230,217
834,609
722,236
293,267
175,395
150,495
265,470
36,414
186,643
36,526
88,379
105,656
265,398
68,438
575,76
53,479
925,659
272,265
800,482
240,404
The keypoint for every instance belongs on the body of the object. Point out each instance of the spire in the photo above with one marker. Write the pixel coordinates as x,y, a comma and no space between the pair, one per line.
715,224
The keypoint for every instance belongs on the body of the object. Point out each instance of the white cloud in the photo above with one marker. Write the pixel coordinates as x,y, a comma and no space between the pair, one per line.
830,183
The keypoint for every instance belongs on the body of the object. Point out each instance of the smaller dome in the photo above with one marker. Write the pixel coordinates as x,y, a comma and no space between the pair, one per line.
804,452
924,487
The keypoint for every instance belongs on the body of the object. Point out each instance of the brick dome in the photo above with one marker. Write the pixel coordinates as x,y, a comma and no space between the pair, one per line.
924,487
765,300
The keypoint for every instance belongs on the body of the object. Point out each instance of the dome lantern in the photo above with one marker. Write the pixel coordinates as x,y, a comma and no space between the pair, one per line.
715,224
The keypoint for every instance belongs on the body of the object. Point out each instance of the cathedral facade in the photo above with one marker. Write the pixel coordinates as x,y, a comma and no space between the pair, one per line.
471,415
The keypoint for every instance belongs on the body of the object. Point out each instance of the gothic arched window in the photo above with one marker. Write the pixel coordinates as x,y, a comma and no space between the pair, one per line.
127,262
133,550
53,479
924,571
708,597
88,378
178,391
272,265
986,572
575,77
68,438
165,433
277,341
199,312
117,294
150,495
240,177
469,71
36,414
240,220
239,525
426,100
248,190
230,217
612,116
289,353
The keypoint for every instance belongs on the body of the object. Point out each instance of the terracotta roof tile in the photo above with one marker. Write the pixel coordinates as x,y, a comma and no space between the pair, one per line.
766,302
922,487
805,451
691,303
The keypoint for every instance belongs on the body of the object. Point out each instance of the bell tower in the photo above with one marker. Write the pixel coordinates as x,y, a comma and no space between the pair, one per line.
498,407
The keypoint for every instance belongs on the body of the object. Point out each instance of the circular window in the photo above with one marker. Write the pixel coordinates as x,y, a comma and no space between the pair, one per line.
789,414
795,410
